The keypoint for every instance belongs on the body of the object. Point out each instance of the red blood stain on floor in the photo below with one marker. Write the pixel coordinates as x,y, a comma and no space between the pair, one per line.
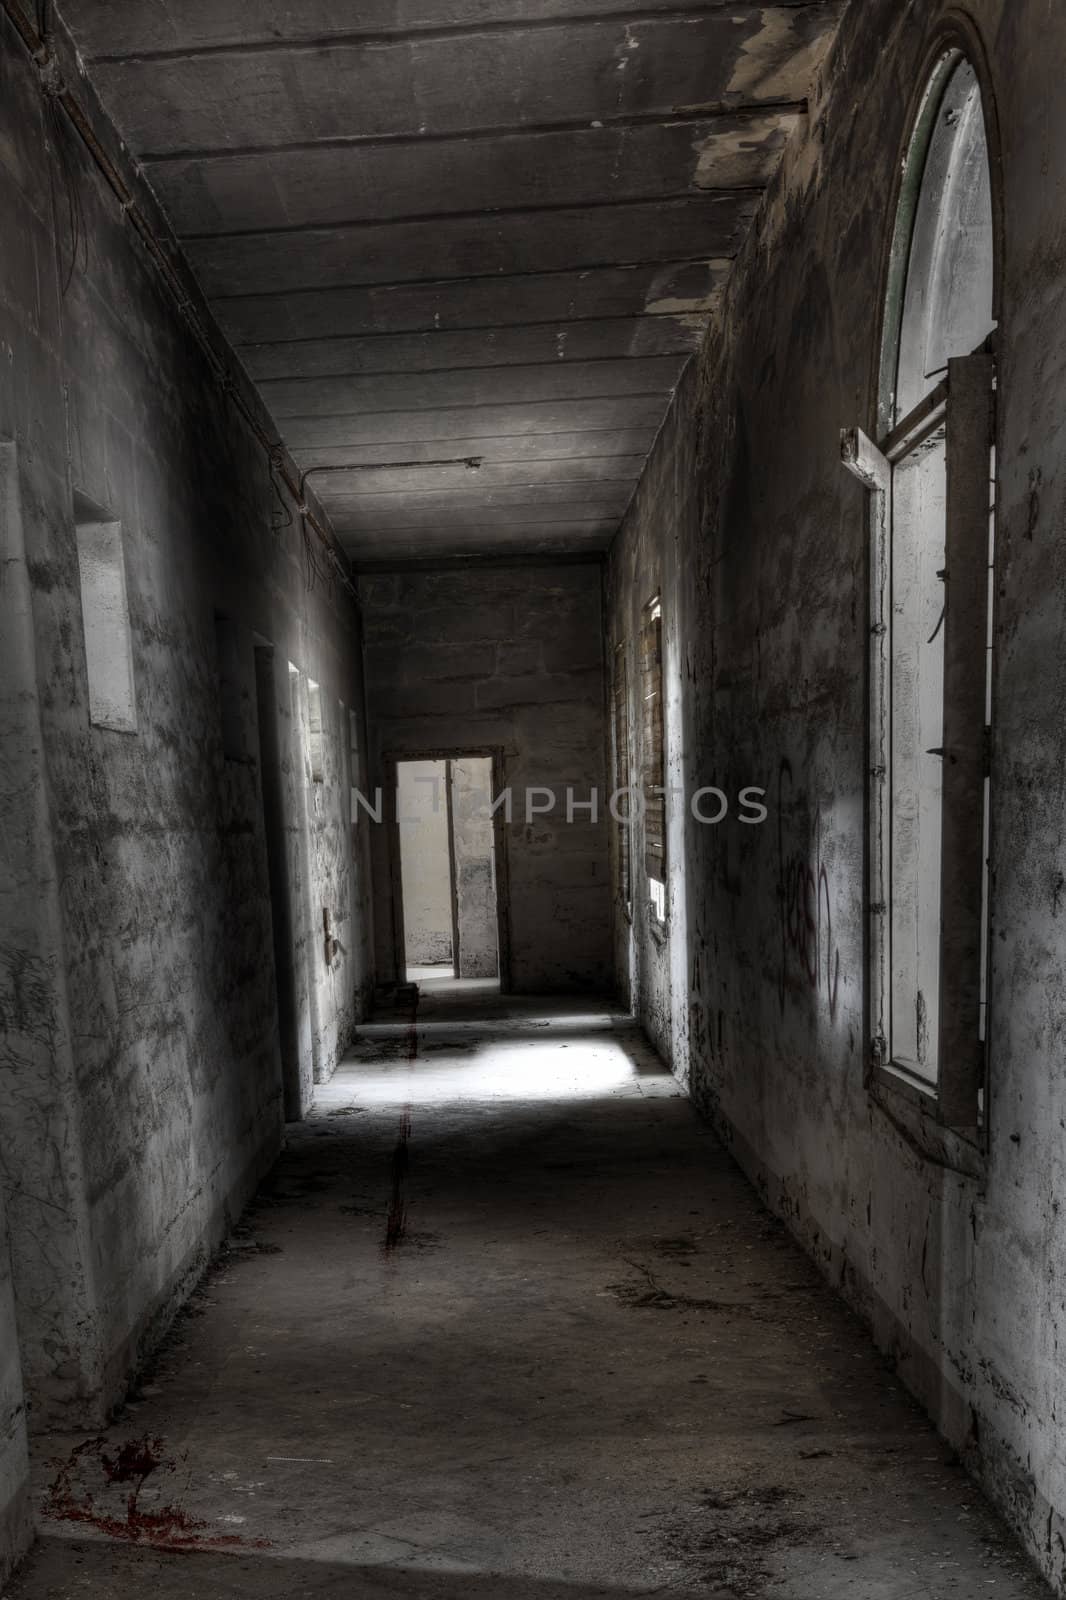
93,1468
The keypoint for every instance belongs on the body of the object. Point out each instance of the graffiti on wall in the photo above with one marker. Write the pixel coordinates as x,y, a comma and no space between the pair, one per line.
809,954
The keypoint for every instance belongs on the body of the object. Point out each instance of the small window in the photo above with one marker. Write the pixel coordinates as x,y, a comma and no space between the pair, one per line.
316,739
620,752
105,618
653,756
932,531
657,895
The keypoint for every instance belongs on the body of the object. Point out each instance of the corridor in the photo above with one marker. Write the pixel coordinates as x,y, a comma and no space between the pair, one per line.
557,1350
532,800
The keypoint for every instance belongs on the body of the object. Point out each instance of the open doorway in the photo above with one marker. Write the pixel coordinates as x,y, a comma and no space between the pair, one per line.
449,921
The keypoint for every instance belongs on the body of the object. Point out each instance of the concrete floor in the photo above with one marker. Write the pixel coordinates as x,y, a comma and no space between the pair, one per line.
506,1324
442,980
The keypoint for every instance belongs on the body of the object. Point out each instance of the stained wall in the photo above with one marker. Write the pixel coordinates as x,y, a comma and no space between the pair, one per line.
757,539
141,1066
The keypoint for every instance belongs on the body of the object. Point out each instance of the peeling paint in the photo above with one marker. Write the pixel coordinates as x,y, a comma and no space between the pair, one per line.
675,306
774,62
745,154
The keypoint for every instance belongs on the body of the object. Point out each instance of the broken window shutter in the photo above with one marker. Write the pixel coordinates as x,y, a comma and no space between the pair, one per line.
654,767
621,764
873,470
969,449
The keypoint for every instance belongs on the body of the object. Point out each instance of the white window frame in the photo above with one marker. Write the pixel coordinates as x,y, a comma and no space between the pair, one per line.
962,405
939,324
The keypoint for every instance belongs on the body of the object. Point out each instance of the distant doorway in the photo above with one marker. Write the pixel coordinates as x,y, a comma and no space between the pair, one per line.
449,912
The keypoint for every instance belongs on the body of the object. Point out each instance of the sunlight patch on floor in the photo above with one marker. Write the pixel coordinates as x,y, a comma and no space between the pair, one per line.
567,1058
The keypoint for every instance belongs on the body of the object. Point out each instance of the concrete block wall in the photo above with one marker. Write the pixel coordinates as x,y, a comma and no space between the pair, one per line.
15,1521
140,1068
507,659
755,536
328,866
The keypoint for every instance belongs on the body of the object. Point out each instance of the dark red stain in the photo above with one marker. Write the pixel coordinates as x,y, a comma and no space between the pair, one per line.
136,1459
166,1527
396,1221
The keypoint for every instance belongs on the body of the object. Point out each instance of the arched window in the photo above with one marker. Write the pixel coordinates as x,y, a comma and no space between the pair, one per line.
931,548
941,278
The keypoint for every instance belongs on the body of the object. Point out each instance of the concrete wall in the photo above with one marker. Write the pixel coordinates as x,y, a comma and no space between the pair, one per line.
140,1067
507,659
475,868
15,1527
756,537
326,872
425,862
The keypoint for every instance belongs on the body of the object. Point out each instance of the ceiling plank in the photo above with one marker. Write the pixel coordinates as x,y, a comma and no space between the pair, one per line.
529,513
477,422
524,538
352,395
587,530
109,29
695,229
444,482
372,485
553,453
607,338
458,501
526,77
272,189
665,288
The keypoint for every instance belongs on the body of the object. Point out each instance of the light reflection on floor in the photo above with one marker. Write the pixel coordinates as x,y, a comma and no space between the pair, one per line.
537,1055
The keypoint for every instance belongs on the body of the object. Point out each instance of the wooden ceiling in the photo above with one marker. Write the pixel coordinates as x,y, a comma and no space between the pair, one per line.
448,232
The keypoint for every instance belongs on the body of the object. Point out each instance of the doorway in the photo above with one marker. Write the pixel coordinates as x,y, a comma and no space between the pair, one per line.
448,922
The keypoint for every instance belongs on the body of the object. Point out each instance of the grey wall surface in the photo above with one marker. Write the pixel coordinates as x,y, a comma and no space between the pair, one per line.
140,1070
15,1525
475,869
756,536
506,659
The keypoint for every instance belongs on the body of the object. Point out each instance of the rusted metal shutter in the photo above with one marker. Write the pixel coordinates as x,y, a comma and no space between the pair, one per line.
651,673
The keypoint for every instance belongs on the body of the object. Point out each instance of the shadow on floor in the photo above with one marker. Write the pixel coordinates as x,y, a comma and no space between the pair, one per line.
64,1569
587,1353
480,1000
